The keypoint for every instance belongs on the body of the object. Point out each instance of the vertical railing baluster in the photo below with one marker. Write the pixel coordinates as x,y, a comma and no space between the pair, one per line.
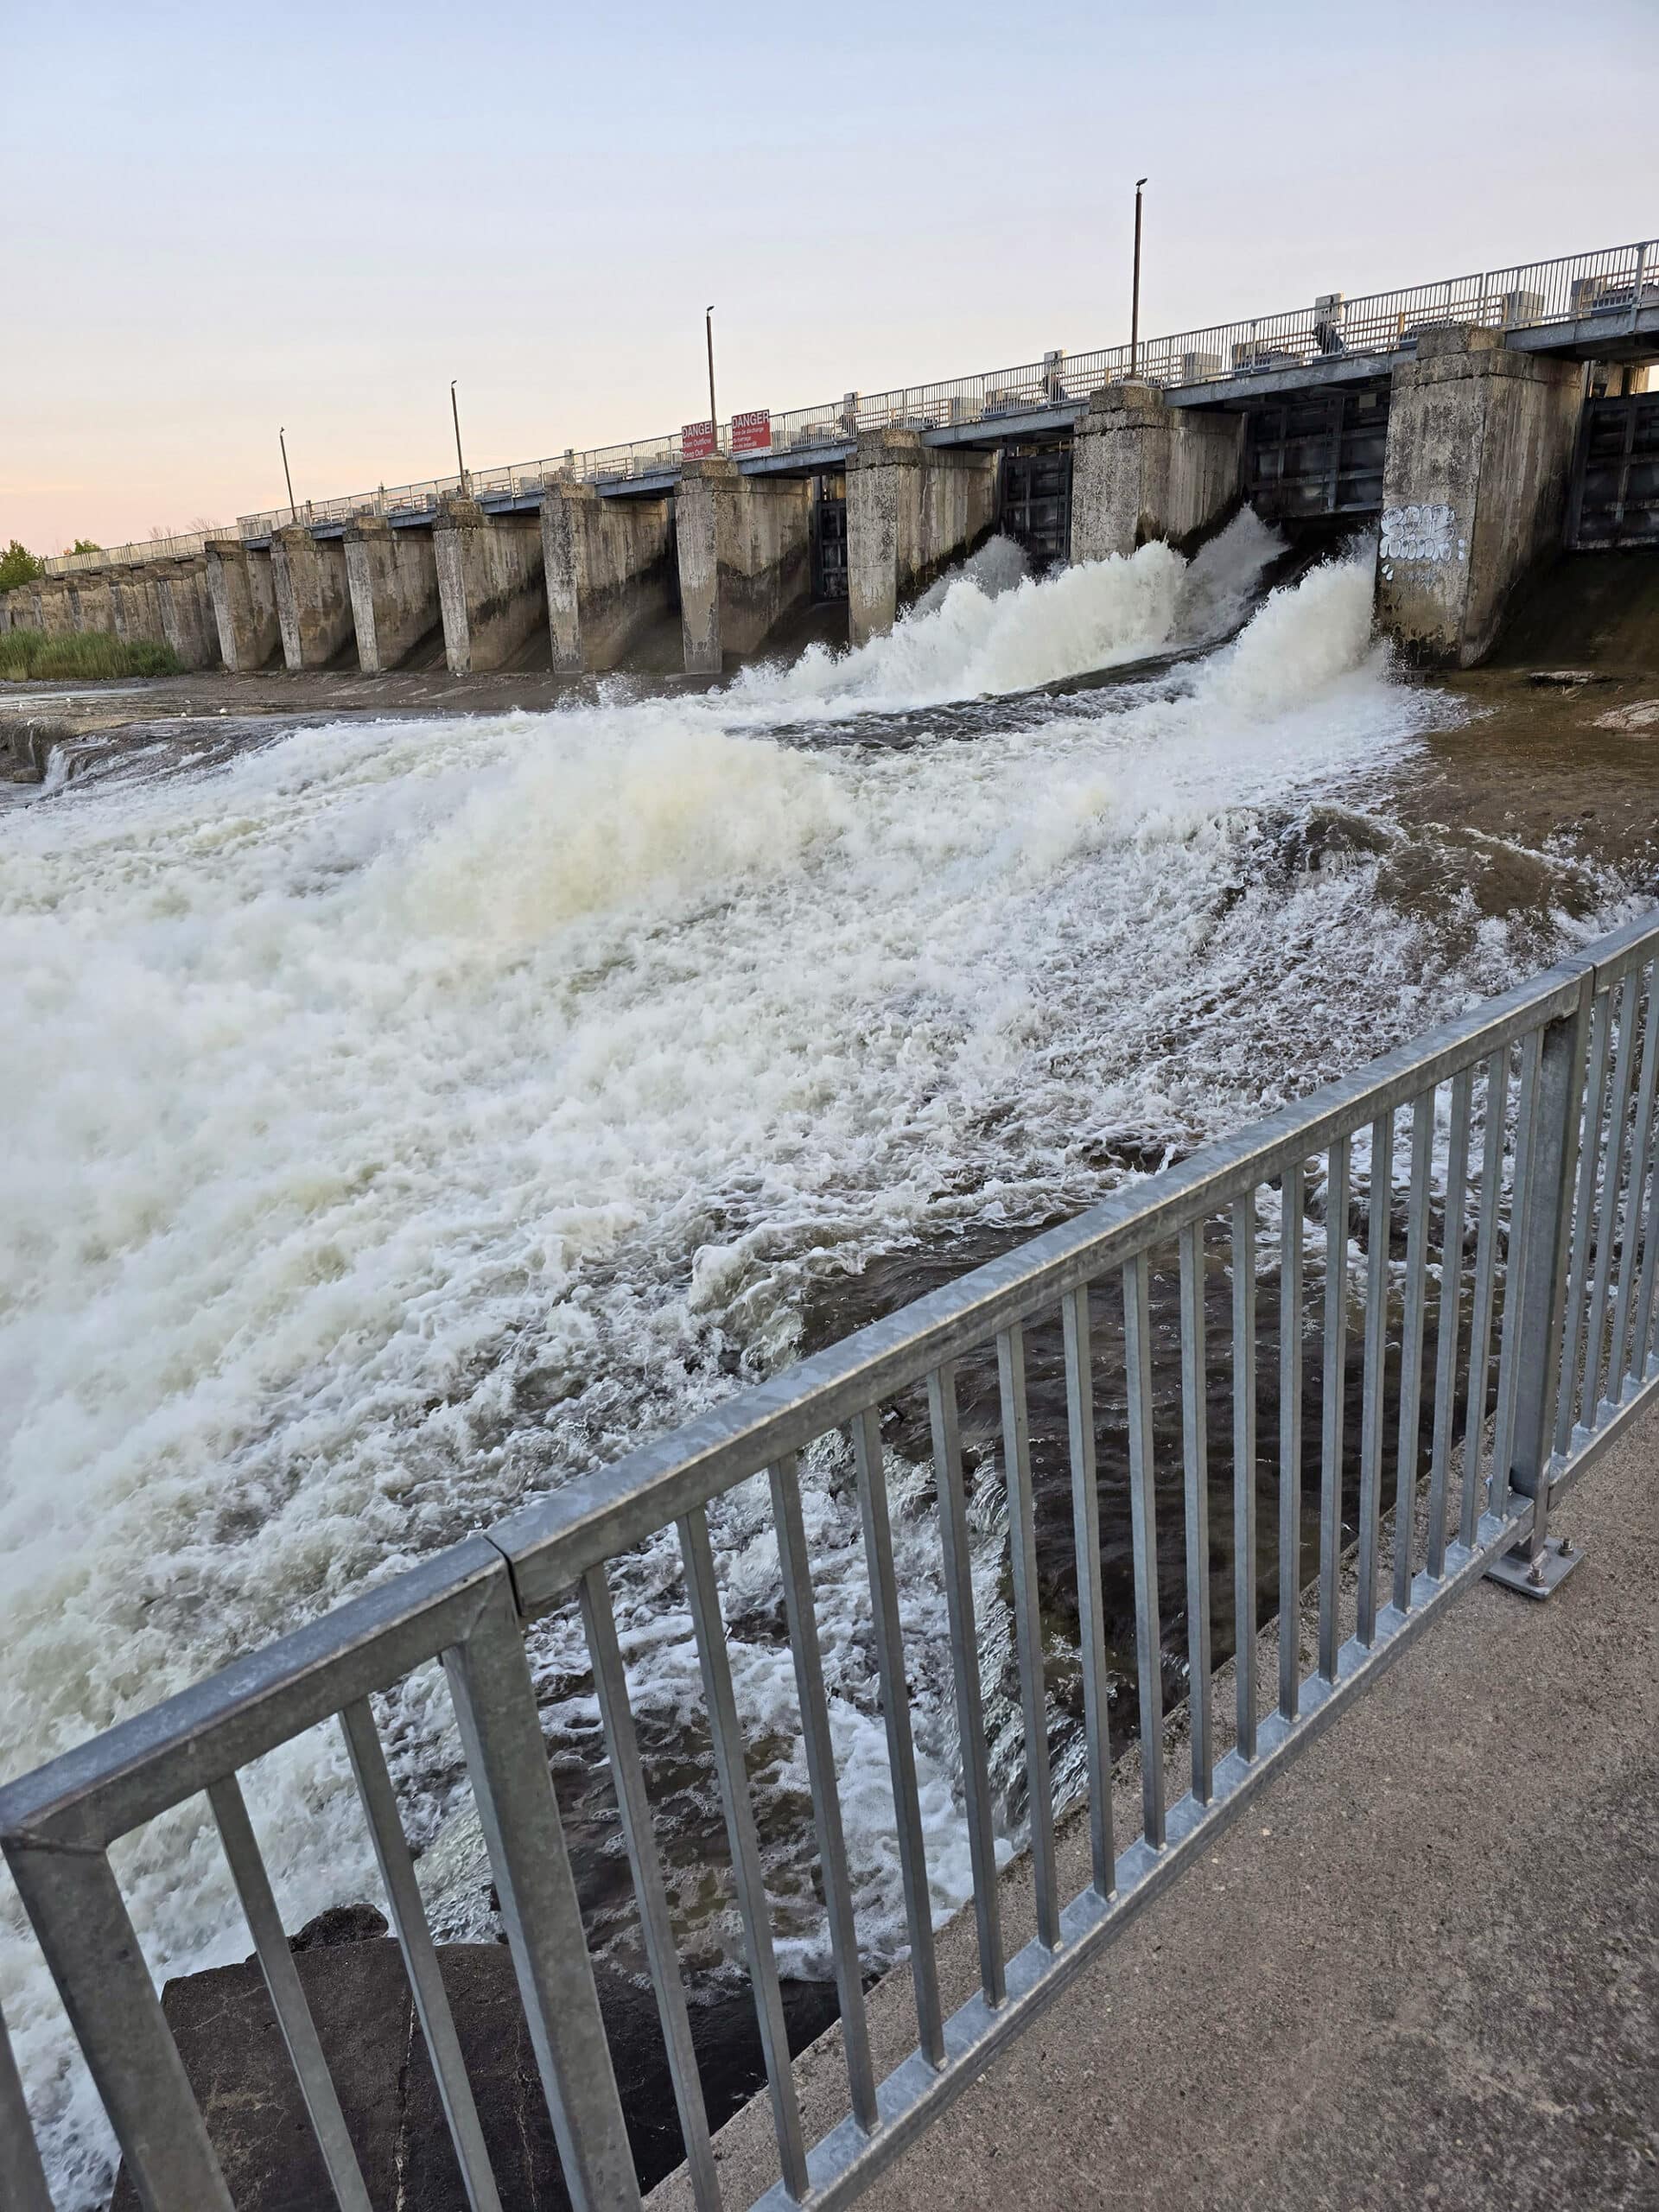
895,1712
1028,1630
1606,1230
702,1593
1143,1522
1411,1347
1333,1401
1480,1337
965,1667
286,1995
638,1838
802,1616
1619,1364
1515,1273
23,2178
1195,1458
1377,1229
1091,1611
403,1890
1244,1591
1450,1326
507,1758
1641,1328
1292,1206
1583,1217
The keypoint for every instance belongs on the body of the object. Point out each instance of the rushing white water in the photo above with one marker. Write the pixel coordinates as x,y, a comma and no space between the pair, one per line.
409,1116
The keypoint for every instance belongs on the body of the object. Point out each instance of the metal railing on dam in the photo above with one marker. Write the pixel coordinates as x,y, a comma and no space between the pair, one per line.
1521,1225
1607,288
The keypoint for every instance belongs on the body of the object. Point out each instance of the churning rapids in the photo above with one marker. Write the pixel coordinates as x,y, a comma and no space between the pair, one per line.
407,1117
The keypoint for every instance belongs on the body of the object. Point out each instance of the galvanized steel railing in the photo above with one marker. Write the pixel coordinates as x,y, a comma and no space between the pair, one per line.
181,546
1522,1228
1614,283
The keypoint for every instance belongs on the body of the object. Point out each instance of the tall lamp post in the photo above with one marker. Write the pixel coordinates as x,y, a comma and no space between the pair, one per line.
293,512
460,465
1135,302
708,336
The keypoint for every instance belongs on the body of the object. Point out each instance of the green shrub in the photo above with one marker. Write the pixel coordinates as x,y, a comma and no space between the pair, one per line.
19,565
92,654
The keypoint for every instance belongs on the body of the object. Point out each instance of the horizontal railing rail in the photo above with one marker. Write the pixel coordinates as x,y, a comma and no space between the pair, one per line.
1609,287
1456,1246
181,545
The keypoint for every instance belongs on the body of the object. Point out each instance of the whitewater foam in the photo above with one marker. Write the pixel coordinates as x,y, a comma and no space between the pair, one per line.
409,1116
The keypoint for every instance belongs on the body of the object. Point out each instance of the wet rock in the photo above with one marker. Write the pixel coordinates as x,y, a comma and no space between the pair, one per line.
30,739
1641,715
233,2054
1326,836
341,1924
1566,679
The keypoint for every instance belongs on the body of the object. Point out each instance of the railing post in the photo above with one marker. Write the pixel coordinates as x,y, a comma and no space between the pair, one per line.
1540,1236
76,1907
506,1757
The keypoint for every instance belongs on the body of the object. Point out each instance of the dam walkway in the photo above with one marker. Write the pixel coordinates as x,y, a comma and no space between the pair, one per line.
1423,1967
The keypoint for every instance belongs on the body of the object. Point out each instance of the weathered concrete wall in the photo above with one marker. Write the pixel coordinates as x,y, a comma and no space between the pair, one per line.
314,600
54,612
1142,469
611,573
89,598
912,509
135,606
244,594
1474,487
187,605
393,577
491,584
744,549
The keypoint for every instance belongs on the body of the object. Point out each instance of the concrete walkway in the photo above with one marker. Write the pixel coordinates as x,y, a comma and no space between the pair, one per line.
1422,1969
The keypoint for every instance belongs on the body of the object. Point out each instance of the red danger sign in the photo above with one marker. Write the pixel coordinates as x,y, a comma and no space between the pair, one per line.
751,433
696,440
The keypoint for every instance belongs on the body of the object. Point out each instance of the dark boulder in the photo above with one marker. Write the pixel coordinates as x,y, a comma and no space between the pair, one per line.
233,2053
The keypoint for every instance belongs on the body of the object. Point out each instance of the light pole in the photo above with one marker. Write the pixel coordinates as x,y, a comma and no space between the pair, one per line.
293,512
460,465
1135,303
709,334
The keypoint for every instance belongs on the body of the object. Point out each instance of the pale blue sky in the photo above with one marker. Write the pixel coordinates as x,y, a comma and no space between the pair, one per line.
218,219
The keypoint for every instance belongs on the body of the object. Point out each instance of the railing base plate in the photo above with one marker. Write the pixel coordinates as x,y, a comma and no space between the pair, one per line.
1539,1577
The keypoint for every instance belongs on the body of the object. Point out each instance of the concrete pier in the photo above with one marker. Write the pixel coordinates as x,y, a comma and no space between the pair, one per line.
187,605
912,509
745,553
89,598
1475,485
611,572
54,613
314,600
1142,469
135,606
393,578
491,584
244,594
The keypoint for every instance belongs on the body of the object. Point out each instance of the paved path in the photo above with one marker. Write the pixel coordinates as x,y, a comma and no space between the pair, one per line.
1423,1969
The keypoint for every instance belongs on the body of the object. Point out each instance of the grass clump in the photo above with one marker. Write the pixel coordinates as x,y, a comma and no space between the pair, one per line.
90,656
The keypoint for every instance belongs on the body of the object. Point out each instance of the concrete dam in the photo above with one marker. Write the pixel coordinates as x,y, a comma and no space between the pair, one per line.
1478,424
644,1347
